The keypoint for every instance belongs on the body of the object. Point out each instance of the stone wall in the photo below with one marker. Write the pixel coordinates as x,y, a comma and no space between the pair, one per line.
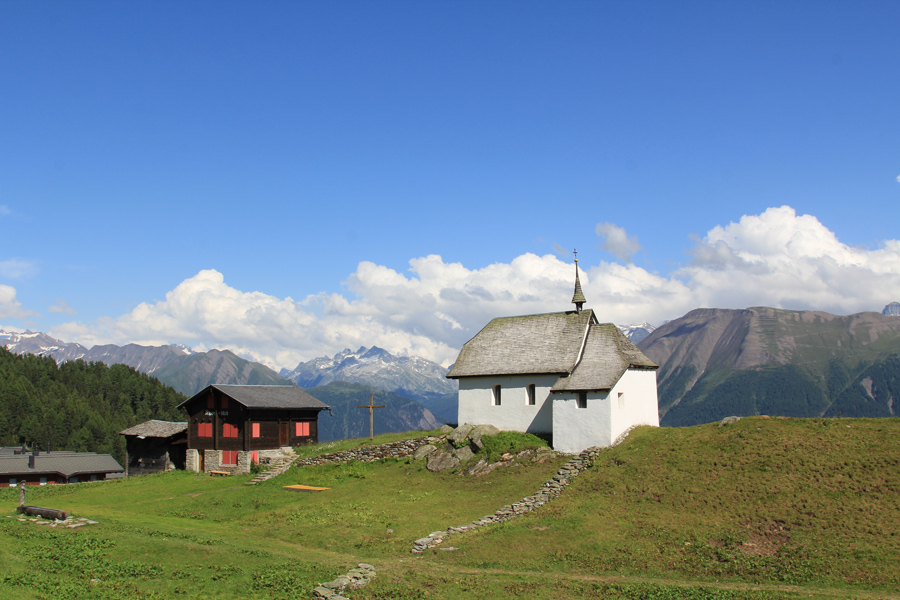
399,449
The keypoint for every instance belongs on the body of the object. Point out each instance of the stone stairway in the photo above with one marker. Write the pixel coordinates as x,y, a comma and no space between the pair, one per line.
275,469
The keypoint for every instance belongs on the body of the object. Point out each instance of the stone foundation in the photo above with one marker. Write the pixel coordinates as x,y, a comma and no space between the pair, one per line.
192,461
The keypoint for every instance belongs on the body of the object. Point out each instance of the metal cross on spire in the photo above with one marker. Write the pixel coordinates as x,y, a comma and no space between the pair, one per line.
578,297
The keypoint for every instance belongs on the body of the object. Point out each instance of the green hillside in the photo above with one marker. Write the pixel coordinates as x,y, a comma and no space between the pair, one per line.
762,509
77,405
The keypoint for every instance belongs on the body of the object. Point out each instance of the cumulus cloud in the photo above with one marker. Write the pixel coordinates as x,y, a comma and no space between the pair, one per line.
615,241
61,307
16,268
777,258
10,308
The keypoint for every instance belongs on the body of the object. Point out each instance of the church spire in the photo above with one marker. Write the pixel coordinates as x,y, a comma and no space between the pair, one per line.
577,298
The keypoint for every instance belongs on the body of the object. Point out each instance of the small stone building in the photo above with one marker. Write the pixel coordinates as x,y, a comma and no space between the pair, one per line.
232,426
561,374
155,446
21,466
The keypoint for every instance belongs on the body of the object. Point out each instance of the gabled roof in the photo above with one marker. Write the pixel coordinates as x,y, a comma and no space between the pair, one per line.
265,396
64,463
608,353
156,429
531,344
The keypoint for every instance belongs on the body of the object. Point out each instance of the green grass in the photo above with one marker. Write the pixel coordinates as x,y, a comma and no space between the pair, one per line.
762,509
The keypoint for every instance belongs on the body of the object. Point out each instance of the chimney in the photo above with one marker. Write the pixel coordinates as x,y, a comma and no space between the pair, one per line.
31,461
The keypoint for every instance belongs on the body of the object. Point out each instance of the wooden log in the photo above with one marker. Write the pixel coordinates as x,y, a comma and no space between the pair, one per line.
47,513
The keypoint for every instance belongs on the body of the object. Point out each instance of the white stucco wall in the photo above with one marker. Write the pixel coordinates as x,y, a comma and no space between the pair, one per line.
603,420
476,404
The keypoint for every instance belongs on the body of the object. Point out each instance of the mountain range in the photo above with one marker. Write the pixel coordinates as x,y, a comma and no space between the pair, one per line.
720,362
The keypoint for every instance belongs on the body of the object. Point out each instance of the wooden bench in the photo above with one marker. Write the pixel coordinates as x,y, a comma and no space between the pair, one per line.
219,473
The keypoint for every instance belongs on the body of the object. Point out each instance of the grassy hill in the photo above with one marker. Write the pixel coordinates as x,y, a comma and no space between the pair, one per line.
760,509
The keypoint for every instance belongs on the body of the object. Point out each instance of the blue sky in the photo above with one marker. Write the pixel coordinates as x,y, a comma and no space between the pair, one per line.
289,178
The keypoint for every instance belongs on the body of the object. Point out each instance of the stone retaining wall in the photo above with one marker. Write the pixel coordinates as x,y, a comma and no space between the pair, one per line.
399,449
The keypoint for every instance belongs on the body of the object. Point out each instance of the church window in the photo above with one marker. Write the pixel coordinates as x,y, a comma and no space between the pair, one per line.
496,395
530,391
581,400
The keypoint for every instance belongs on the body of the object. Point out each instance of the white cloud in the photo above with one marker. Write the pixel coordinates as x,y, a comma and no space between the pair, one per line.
15,268
616,241
10,308
776,258
61,307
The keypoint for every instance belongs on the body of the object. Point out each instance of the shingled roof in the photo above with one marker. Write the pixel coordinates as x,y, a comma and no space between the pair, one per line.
545,343
608,353
552,344
265,396
156,429
66,464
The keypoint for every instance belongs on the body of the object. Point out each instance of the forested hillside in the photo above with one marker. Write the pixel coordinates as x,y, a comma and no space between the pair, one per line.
77,405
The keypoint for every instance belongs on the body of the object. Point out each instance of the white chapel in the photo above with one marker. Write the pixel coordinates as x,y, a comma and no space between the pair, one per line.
563,374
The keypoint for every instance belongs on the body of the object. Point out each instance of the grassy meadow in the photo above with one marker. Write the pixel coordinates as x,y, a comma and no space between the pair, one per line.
760,509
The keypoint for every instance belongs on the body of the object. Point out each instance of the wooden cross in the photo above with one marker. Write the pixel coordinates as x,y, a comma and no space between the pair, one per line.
371,408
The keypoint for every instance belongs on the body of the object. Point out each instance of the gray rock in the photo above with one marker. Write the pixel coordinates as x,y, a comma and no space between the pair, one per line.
464,453
440,461
423,451
459,434
445,429
478,432
728,421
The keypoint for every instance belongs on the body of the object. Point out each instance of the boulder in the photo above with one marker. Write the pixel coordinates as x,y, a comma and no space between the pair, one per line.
728,421
464,453
423,451
441,460
480,431
459,434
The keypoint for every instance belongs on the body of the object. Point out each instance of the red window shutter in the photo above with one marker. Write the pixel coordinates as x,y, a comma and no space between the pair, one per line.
210,402
204,429
224,403
302,429
256,430
254,456
229,457
229,430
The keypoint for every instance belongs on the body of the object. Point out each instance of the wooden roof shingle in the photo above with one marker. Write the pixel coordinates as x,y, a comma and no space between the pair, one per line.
608,353
156,429
530,344
265,396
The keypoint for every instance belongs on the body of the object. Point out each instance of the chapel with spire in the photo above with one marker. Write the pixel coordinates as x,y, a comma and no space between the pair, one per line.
564,374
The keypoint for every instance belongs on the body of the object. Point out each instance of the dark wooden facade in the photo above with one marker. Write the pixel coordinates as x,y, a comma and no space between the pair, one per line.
155,446
251,418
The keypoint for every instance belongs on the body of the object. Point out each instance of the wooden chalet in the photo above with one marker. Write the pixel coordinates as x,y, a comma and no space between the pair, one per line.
21,466
155,446
232,426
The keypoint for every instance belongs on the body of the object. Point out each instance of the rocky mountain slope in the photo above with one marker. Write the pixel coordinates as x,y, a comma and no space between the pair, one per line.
409,376
719,362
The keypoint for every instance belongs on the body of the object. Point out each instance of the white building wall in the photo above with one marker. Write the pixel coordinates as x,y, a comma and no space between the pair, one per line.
476,404
607,415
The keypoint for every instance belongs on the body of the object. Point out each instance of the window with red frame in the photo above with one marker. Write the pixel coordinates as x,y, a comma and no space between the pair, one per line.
229,430
302,429
204,429
229,457
255,430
